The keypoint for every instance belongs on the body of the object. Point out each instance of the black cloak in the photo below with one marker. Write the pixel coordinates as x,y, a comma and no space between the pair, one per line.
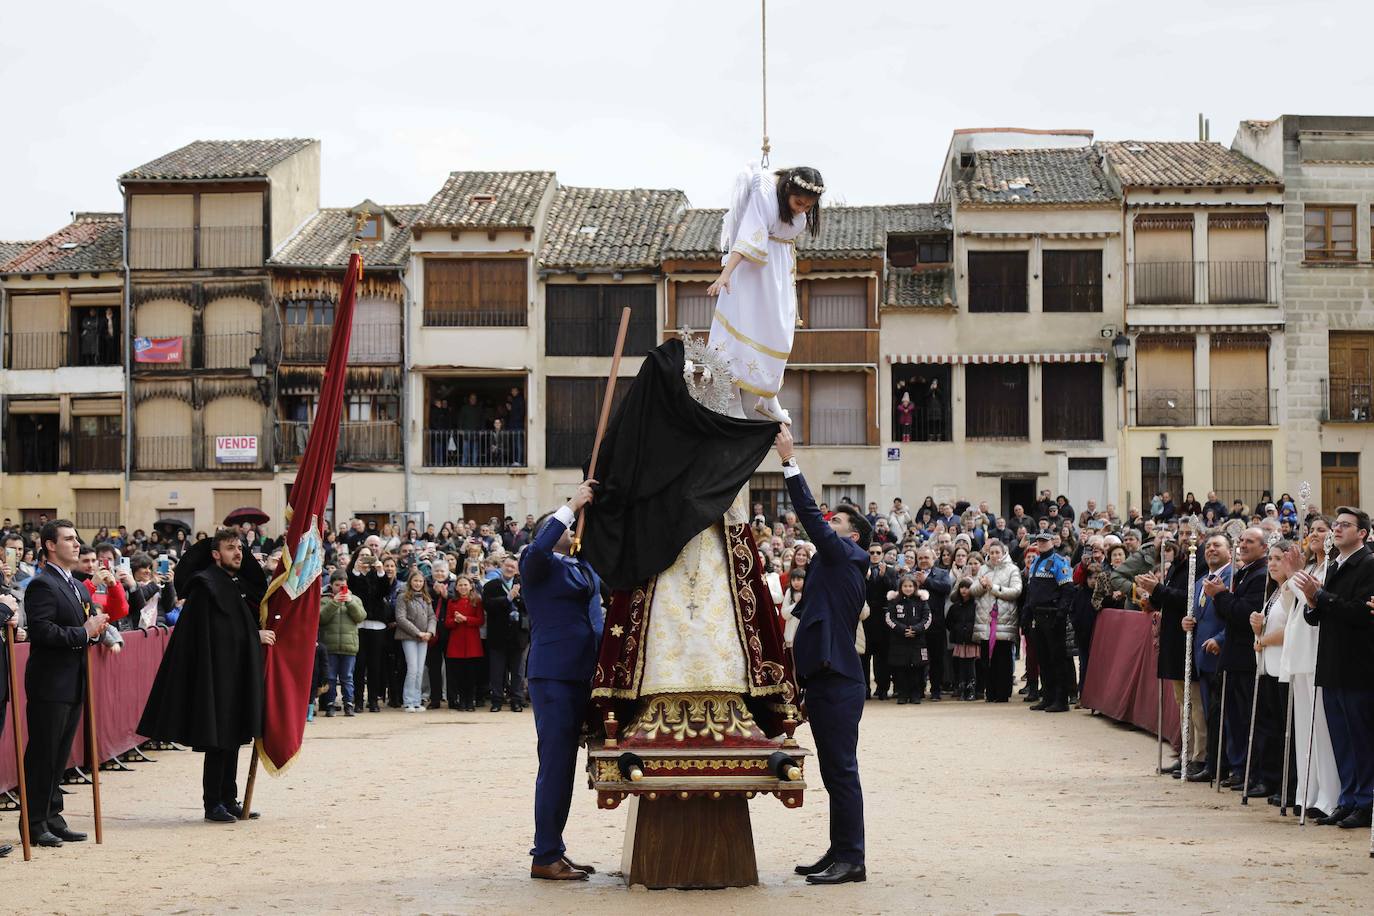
668,469
208,692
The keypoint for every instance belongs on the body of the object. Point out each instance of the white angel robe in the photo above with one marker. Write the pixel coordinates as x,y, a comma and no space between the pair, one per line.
754,322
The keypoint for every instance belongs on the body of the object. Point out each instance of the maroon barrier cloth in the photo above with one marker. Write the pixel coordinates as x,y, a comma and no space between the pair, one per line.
121,685
1121,680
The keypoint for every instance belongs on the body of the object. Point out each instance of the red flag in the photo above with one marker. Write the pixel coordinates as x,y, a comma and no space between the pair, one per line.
292,605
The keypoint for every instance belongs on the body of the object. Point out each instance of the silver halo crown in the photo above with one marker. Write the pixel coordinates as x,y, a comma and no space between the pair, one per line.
706,372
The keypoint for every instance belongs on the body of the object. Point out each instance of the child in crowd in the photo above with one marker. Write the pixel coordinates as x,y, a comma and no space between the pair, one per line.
908,616
796,580
960,617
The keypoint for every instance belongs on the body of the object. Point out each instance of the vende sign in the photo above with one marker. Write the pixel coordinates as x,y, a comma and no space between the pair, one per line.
236,449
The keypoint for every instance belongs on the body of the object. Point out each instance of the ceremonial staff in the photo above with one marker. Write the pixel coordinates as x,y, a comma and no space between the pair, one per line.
18,731
1254,696
605,417
1188,664
92,750
1304,500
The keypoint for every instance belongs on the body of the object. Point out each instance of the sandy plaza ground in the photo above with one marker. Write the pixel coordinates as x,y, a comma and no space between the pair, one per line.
971,808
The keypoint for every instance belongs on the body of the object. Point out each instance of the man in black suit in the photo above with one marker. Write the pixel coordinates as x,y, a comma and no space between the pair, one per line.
61,624
1345,645
507,636
828,666
882,579
1234,607
10,634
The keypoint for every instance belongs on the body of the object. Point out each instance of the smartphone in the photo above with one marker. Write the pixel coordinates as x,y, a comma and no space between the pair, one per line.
105,563
12,558
164,566
124,565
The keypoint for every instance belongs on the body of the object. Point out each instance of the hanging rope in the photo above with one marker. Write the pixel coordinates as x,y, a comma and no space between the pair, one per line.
763,37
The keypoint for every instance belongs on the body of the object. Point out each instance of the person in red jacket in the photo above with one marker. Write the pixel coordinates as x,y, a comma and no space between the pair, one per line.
107,594
462,614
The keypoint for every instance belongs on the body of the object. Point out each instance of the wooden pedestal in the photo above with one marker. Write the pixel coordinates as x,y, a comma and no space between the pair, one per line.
691,843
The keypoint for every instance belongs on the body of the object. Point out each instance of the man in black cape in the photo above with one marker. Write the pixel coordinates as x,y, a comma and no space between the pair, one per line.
208,693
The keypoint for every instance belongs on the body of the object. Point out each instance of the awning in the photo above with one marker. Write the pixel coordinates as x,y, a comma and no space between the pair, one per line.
1133,328
977,359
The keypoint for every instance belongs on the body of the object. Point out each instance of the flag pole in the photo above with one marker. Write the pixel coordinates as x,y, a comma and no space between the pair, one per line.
92,749
605,416
252,780
18,731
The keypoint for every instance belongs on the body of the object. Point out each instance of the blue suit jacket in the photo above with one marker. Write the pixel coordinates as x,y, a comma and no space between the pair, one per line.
1210,625
828,613
563,597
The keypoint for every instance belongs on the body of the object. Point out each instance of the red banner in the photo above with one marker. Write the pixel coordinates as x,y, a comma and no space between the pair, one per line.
292,605
157,349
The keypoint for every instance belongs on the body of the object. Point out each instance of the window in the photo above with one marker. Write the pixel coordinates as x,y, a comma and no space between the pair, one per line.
1240,394
162,231
996,402
574,406
834,495
1162,273
920,403
583,320
694,308
1071,401
770,490
475,292
1328,233
474,421
1164,394
1242,470
1072,281
997,281
910,250
837,304
1340,479
1157,478
97,442
96,509
1350,358
33,444
35,335
95,330
231,230
838,412
372,229
227,500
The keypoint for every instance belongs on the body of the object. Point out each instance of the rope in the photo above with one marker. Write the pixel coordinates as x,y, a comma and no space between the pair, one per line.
763,38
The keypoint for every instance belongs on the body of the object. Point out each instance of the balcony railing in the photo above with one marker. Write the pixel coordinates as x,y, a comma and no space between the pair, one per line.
1073,422
836,426
164,453
97,453
926,426
230,246
1204,407
475,318
95,520
461,448
162,249
360,442
175,248
36,349
230,350
998,422
1203,282
1348,402
373,342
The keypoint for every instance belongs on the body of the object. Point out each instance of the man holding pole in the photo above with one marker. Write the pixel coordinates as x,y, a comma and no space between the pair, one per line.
1234,605
216,707
61,625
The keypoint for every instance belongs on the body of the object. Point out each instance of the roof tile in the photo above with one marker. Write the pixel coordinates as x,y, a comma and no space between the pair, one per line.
910,288
219,159
92,242
486,200
600,227
1188,164
1036,176
324,242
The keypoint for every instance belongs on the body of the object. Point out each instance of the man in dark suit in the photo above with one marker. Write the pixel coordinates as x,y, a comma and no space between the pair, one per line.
61,625
828,667
1234,607
881,579
563,597
9,632
1345,645
1209,640
506,636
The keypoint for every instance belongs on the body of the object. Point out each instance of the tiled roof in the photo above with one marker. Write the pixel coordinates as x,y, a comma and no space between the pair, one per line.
1036,176
324,241
846,232
486,200
219,159
92,242
1183,165
910,288
10,250
599,227
696,235
913,218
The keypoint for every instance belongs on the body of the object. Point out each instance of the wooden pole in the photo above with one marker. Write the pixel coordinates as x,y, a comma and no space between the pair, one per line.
605,416
18,730
92,749
252,781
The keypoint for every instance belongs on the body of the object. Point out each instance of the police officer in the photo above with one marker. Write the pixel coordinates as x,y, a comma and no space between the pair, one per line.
1049,593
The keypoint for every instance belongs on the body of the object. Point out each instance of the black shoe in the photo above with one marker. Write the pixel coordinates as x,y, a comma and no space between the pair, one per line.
1032,696
5,849
1360,817
1041,706
839,873
236,809
915,701
49,839
373,708
1335,817
1200,774
1275,800
1173,770
935,697
817,867
495,707
1315,813
1258,790
1057,706
516,707
901,701
218,815
68,836
348,712
329,713
1232,781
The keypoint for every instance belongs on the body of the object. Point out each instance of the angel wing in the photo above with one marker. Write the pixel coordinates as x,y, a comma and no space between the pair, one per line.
739,201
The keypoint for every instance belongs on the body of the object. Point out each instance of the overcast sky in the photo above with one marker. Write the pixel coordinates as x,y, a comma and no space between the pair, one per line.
646,93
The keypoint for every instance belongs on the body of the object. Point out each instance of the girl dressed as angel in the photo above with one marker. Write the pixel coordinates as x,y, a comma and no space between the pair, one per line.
756,315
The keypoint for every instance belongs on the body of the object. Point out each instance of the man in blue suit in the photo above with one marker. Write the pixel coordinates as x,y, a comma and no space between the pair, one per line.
563,597
1209,640
828,666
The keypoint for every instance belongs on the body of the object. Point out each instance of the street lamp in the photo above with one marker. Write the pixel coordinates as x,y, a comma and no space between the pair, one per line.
1121,348
257,367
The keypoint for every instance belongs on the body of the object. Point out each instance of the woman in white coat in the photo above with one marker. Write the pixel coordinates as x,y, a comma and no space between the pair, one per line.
997,586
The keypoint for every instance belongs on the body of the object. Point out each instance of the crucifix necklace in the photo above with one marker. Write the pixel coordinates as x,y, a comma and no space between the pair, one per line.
694,575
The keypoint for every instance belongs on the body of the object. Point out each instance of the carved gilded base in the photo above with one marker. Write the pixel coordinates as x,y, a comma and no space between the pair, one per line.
693,718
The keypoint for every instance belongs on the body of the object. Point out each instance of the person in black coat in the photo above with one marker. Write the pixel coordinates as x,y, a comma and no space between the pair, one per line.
208,692
507,636
938,582
62,623
908,619
1234,607
1345,645
827,665
882,579
961,616
9,634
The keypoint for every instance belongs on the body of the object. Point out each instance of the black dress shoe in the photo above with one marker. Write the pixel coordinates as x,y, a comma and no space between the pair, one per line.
236,809
1204,774
901,701
219,815
1315,813
1232,781
1060,706
373,708
495,707
839,873
816,867
48,838
1275,800
5,849
1173,770
68,836
1335,817
1040,706
1257,790
1360,817
936,697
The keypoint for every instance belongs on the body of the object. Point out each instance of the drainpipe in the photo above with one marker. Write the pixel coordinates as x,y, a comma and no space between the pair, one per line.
406,302
127,347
